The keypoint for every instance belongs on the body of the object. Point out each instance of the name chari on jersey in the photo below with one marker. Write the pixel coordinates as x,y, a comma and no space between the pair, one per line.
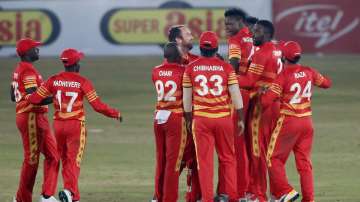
167,79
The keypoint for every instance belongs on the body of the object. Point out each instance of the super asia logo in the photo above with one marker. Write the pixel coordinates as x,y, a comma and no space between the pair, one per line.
151,25
39,24
324,22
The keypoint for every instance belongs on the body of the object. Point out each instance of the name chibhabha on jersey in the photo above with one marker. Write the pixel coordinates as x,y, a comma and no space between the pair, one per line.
208,68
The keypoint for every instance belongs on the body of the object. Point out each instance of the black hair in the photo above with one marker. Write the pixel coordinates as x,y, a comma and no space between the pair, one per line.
295,60
171,52
174,32
269,27
250,20
237,13
72,68
208,52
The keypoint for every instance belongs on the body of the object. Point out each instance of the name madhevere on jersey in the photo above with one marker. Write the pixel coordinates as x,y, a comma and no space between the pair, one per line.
72,84
208,68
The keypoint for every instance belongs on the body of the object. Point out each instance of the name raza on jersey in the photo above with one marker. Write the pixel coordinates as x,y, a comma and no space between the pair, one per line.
299,75
277,53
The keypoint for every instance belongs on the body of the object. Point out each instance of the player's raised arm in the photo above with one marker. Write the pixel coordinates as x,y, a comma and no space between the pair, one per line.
97,104
39,96
275,90
321,81
252,76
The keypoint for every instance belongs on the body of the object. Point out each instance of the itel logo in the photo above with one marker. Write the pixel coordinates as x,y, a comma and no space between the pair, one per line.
321,21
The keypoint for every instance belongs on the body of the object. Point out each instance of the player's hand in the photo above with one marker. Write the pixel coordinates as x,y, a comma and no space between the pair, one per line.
241,127
262,90
120,118
240,121
188,127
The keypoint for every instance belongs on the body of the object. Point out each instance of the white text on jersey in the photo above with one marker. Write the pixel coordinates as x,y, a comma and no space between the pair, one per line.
72,84
208,68
165,73
299,75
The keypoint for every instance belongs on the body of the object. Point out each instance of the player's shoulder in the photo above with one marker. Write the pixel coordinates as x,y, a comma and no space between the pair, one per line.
166,66
157,68
53,77
235,41
227,66
73,76
25,67
304,68
245,35
81,78
192,56
195,62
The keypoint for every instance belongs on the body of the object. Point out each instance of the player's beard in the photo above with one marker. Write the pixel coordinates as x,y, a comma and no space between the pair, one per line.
34,57
258,41
189,46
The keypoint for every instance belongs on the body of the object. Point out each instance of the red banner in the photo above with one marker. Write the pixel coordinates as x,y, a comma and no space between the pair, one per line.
328,26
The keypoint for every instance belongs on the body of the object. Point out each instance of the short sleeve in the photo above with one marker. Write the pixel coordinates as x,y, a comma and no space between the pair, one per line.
234,49
29,78
277,85
257,64
318,78
45,89
232,79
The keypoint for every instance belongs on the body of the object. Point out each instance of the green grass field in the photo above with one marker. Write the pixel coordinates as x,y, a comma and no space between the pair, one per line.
119,159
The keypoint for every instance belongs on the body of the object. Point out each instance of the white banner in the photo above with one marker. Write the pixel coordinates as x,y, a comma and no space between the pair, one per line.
100,27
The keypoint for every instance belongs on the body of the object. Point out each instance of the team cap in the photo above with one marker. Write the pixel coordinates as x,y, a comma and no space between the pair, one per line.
71,56
209,40
25,44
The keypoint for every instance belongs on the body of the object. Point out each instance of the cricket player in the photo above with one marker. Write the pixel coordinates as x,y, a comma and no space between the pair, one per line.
169,124
240,41
68,90
32,122
182,36
250,22
294,129
208,85
184,39
262,71
240,46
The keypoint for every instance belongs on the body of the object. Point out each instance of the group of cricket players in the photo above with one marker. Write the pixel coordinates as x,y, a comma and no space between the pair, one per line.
253,109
